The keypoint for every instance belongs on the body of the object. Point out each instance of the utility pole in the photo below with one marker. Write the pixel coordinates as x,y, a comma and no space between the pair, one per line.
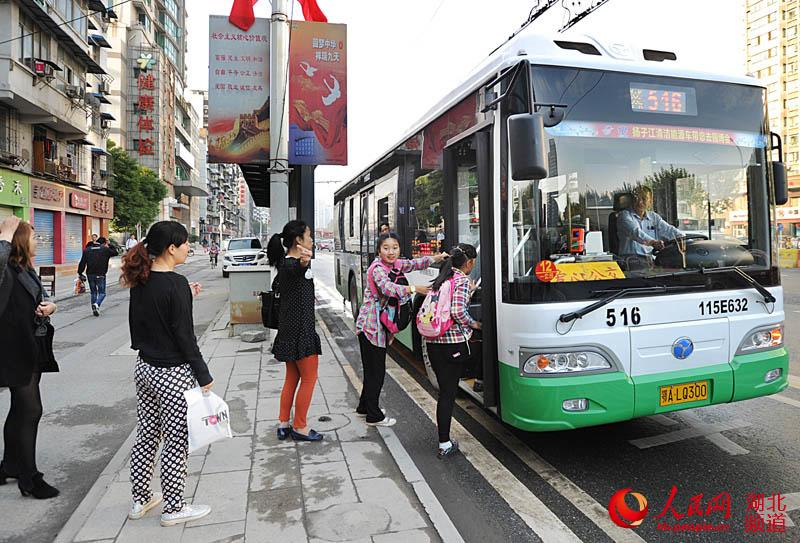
279,117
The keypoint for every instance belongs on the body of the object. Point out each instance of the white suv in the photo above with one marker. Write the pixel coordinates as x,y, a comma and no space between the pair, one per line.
242,252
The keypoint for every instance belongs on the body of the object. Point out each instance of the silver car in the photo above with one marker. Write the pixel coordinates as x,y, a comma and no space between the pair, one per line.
239,252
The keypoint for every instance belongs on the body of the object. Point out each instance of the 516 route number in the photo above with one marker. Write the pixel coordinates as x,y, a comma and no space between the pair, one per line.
624,316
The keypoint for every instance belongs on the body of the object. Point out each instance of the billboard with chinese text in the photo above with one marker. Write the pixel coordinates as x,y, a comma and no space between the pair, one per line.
238,92
144,107
318,93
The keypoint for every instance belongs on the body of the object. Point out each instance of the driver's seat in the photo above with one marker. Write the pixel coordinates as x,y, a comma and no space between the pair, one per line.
622,200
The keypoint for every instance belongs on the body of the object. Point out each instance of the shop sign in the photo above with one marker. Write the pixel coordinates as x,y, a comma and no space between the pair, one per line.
79,201
788,213
14,188
102,206
47,195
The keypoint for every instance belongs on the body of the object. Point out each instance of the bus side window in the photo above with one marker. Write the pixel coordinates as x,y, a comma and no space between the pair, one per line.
428,221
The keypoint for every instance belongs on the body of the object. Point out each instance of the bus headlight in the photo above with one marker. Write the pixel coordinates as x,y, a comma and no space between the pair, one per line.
762,339
565,362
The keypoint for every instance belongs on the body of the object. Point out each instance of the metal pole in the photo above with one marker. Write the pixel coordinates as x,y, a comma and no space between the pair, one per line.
279,117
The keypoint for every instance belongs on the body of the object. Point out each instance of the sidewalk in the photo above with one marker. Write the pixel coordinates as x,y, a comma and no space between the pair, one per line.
358,484
65,284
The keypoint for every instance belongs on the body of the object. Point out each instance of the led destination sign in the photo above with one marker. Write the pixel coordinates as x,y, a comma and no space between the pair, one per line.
661,99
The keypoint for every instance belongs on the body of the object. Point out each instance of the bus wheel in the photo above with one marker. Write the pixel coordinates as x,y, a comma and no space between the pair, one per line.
354,298
428,367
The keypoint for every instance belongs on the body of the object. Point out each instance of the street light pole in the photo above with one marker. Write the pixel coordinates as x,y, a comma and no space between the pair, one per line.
279,117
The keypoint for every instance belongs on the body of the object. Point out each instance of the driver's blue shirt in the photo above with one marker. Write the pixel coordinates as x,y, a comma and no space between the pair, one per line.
633,231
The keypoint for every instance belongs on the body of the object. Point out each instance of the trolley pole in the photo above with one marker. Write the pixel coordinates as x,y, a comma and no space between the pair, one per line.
279,117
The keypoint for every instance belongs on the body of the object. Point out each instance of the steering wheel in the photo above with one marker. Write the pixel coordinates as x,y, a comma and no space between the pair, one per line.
685,238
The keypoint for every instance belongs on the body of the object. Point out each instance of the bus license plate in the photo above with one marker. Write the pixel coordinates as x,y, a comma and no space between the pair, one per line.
683,393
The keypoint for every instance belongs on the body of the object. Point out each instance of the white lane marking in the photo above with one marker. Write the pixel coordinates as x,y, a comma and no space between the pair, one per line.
790,501
784,399
587,505
726,444
696,430
794,381
663,420
536,515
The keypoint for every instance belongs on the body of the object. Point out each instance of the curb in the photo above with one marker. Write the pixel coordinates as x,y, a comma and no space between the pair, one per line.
89,503
441,521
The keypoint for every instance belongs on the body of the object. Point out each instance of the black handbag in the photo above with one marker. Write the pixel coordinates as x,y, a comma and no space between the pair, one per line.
271,306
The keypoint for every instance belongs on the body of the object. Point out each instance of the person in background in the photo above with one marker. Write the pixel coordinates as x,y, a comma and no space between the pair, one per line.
92,242
169,363
384,229
26,336
213,254
372,336
640,229
95,262
297,342
131,243
449,353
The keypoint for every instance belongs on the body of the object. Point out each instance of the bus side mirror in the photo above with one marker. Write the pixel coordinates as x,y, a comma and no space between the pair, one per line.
779,183
526,145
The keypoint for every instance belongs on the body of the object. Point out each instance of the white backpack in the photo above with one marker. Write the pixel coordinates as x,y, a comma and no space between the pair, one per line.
433,318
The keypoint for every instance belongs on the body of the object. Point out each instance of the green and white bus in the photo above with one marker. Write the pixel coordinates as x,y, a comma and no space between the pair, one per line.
535,159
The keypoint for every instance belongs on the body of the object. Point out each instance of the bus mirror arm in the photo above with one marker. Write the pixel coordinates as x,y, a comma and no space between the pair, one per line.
780,184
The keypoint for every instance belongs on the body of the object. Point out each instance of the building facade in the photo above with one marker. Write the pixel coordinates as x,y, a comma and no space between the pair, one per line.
54,123
772,57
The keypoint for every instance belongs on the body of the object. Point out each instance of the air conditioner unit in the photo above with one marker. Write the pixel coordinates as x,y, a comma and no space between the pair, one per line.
73,91
103,87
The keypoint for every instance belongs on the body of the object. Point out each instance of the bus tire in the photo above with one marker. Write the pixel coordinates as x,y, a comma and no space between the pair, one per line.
428,367
353,290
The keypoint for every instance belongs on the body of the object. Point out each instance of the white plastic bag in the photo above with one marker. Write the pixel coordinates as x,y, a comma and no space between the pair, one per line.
208,418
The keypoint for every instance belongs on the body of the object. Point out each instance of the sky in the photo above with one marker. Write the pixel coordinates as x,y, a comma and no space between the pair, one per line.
403,57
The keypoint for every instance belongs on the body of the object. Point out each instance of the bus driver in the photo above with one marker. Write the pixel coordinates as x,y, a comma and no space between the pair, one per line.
640,229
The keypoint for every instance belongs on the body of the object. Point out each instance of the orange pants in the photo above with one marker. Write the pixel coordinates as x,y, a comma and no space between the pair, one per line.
303,371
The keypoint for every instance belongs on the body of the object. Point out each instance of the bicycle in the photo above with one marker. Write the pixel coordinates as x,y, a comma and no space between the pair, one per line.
213,257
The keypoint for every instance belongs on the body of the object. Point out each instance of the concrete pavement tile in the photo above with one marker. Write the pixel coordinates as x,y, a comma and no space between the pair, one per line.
241,383
326,484
202,451
229,455
227,347
276,515
268,388
242,420
367,460
329,370
357,430
268,408
149,529
341,402
195,464
275,468
345,522
229,532
408,536
334,384
109,515
226,493
266,435
327,450
246,397
272,372
385,492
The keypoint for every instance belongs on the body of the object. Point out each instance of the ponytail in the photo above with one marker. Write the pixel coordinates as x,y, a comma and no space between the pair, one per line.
459,255
286,239
136,265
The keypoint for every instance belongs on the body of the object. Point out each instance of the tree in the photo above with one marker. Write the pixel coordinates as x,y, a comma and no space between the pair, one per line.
137,192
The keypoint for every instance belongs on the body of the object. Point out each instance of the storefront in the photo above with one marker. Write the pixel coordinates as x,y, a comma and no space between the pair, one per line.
77,224
14,194
102,211
48,200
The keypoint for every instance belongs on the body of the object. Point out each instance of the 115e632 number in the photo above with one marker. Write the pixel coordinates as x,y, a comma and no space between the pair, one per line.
721,307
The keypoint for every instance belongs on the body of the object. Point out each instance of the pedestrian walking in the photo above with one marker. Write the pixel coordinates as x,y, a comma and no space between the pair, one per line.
92,242
95,262
170,362
450,352
373,338
131,243
297,342
26,336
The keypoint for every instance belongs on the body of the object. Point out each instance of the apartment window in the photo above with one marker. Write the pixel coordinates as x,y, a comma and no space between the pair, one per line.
169,25
172,7
790,32
143,19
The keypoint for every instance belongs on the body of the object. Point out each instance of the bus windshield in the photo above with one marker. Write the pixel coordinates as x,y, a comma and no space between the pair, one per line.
647,175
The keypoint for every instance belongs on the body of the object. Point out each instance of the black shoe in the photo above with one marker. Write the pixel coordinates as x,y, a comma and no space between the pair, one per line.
283,433
312,436
449,451
5,475
477,386
39,490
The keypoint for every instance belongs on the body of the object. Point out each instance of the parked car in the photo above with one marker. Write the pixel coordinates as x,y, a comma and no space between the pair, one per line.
324,244
238,252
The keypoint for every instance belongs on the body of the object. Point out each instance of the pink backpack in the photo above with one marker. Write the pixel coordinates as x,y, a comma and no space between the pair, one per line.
433,318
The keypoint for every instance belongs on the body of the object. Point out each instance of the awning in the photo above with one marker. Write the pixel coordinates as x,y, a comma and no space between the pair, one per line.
107,116
91,25
99,151
99,40
81,141
101,97
257,178
97,5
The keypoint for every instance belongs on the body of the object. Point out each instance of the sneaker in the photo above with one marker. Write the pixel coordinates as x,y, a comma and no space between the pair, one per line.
95,310
139,510
364,414
188,513
387,421
448,451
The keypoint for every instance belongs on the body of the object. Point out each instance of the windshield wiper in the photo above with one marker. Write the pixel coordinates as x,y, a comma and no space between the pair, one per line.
621,293
768,297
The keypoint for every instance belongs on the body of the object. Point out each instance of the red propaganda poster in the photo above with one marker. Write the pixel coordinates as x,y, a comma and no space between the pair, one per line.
318,93
238,92
435,136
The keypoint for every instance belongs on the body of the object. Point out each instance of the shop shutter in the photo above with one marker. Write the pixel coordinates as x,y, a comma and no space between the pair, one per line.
74,238
43,223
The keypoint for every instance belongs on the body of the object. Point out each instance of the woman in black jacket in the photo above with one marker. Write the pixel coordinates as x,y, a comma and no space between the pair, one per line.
27,339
